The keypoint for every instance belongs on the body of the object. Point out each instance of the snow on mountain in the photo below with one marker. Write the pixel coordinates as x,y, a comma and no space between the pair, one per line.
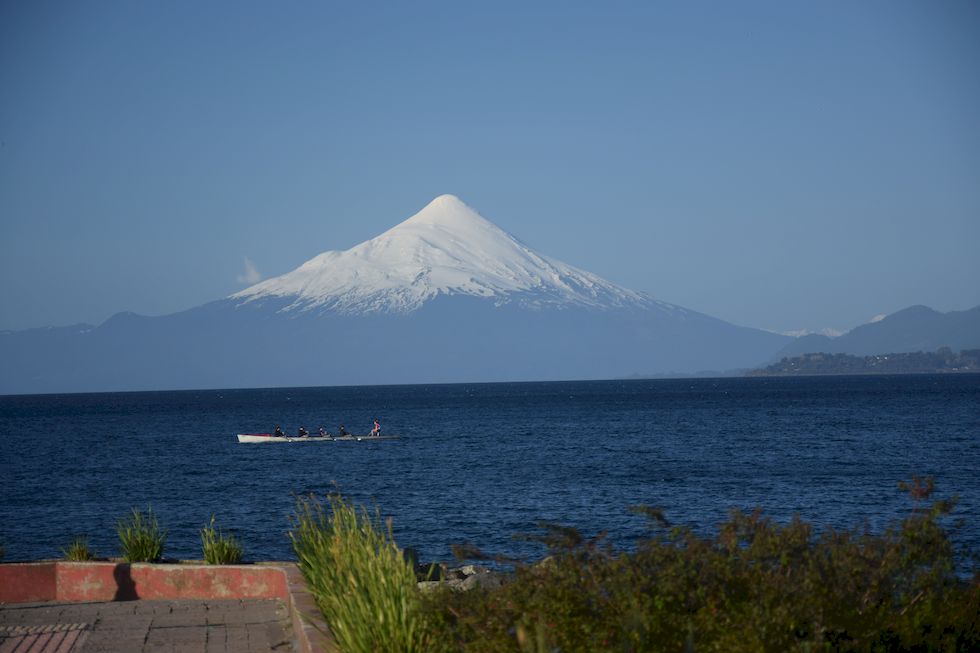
830,332
447,248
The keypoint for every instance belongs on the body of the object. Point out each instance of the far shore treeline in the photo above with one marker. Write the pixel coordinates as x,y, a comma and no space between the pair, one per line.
940,361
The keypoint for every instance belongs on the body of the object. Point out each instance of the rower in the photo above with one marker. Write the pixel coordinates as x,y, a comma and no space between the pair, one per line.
343,431
302,432
377,428
278,432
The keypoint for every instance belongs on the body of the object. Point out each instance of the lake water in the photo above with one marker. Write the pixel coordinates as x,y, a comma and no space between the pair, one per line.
480,463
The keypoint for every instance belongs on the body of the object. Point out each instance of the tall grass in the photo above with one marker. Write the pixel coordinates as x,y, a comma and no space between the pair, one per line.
78,550
140,536
359,578
219,549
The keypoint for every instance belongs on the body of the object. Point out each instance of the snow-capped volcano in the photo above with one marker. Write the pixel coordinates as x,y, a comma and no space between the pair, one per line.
447,248
444,297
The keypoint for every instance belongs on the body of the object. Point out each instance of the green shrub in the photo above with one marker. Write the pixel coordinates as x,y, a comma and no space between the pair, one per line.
359,578
141,537
755,586
78,550
219,549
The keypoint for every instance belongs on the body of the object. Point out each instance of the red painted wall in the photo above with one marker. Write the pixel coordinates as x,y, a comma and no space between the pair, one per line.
28,582
107,581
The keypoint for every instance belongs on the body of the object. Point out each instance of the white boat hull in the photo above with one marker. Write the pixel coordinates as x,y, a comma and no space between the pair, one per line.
257,438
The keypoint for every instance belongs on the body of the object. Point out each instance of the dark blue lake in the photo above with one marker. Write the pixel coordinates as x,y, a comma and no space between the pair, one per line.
480,463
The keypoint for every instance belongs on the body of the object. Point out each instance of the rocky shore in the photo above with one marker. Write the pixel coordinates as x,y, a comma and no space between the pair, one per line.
433,575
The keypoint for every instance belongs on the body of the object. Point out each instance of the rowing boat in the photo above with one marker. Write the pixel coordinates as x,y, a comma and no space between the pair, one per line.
253,438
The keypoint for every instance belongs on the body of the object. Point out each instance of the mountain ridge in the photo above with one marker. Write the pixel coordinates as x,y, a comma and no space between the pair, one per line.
444,296
915,328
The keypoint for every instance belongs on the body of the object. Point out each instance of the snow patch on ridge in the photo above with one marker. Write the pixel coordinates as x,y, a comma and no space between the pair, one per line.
447,248
799,333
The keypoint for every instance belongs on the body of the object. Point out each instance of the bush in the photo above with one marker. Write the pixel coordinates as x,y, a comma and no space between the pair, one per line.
78,550
756,586
219,549
359,578
141,537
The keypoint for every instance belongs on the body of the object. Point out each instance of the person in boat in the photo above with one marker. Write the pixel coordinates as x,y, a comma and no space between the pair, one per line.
302,432
278,432
343,431
377,428
323,432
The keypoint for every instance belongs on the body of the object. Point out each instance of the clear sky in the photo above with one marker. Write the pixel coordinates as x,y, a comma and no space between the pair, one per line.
783,164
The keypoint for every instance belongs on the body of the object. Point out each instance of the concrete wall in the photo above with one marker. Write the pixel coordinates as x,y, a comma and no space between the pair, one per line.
107,581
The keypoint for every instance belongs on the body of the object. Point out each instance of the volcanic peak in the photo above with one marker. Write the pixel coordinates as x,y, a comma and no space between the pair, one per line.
447,248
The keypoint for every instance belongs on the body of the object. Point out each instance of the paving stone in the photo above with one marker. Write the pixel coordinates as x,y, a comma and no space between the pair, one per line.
74,640
158,608
268,637
104,641
185,618
186,606
238,618
42,638
225,626
78,613
117,607
236,638
158,647
216,639
30,616
189,648
181,635
225,605
119,622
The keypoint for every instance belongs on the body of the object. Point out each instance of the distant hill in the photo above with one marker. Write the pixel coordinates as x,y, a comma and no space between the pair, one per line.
940,361
917,328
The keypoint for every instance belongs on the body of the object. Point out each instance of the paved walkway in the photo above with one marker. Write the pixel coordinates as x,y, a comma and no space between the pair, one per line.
212,626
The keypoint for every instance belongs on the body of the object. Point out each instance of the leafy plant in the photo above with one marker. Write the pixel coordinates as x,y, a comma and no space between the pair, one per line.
755,586
78,550
141,537
219,549
359,578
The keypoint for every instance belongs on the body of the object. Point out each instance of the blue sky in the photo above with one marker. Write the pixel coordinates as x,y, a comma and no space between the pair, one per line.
783,165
